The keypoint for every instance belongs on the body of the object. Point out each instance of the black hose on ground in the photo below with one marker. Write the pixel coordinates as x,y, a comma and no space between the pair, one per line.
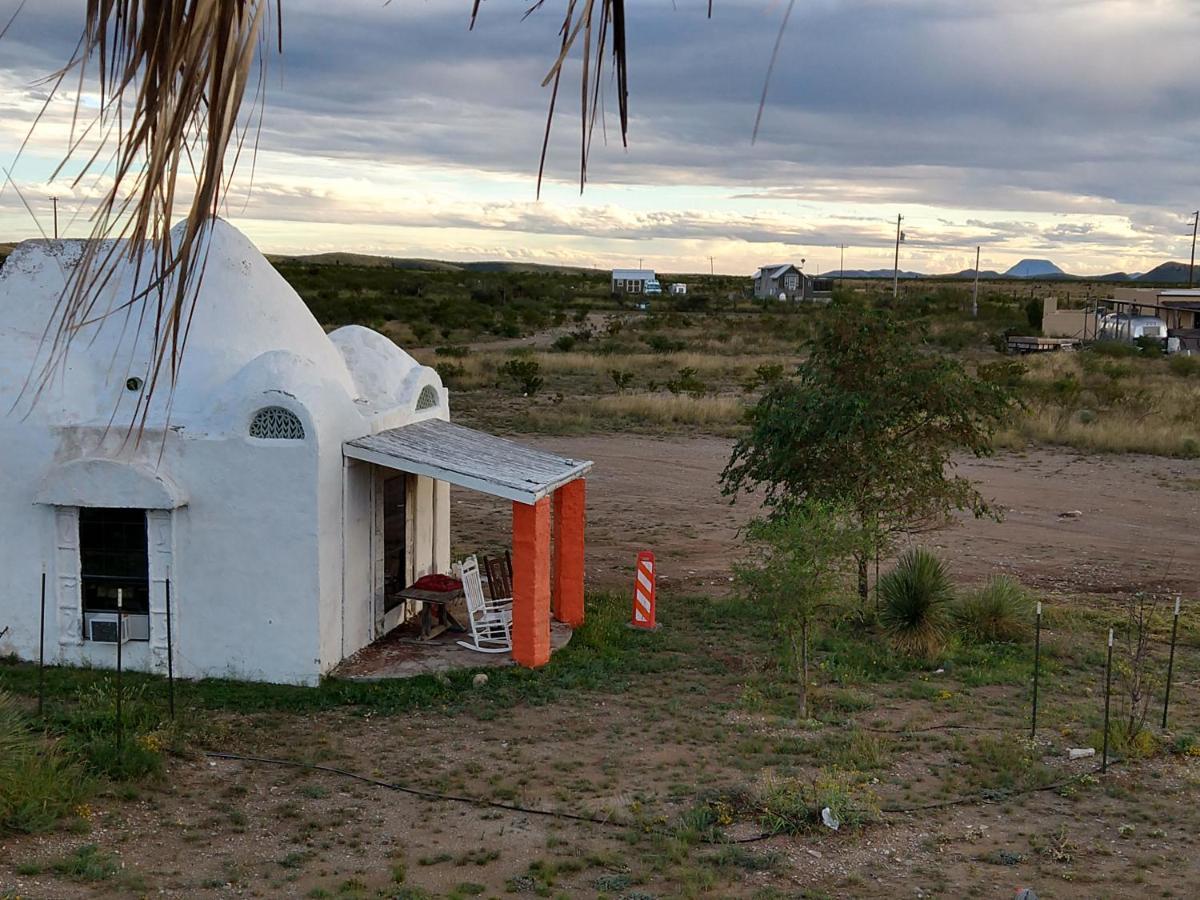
606,821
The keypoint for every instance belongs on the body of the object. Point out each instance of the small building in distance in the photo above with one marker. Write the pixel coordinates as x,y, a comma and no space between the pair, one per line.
635,281
1177,309
679,288
786,282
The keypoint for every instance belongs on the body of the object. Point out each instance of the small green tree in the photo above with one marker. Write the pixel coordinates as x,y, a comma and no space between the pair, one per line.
798,566
871,421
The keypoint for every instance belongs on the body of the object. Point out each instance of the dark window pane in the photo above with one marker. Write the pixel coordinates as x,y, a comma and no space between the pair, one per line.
113,556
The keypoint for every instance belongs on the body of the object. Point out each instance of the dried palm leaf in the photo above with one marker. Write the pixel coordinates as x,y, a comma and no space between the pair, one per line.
172,78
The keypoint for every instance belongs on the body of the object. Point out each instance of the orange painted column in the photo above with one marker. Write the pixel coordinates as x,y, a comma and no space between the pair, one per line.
531,583
569,504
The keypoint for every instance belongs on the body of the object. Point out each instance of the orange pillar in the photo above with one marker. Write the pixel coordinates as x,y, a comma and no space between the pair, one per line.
531,583
569,502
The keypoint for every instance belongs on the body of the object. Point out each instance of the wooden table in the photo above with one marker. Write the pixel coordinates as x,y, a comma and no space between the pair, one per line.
428,600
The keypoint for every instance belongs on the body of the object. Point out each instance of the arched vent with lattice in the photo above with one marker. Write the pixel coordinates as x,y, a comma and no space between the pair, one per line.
428,398
276,423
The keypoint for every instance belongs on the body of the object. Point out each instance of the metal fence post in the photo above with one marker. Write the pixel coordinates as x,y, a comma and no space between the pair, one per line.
1037,669
1107,697
1171,661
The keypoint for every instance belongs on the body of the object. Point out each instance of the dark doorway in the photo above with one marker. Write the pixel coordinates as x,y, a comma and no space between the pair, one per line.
395,537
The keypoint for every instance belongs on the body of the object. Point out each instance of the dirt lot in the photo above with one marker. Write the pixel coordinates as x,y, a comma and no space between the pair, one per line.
1136,523
697,714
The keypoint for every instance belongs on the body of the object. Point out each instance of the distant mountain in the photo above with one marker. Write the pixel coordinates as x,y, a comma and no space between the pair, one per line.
984,274
1035,268
365,260
1167,273
870,273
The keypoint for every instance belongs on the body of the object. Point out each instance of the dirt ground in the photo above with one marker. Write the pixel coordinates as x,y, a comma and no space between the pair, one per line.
645,751
1136,522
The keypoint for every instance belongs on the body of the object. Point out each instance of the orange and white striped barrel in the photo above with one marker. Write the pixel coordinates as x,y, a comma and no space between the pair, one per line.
643,592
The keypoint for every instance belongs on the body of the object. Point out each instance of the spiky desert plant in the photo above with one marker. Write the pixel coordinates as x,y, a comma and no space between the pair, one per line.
916,598
996,613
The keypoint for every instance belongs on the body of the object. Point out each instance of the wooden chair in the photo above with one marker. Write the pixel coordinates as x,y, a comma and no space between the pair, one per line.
490,622
499,576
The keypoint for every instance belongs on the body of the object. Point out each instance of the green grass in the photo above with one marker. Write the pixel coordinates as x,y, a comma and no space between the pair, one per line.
40,783
86,865
603,654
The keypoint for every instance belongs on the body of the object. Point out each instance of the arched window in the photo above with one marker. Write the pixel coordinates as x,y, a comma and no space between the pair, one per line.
428,398
276,423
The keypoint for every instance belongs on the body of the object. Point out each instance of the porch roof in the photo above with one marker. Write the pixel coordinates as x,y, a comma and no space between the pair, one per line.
469,458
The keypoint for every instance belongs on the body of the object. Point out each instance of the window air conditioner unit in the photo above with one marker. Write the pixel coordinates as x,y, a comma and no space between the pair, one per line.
104,628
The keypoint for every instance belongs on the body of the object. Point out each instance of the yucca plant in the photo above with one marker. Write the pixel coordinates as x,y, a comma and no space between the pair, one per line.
916,598
996,613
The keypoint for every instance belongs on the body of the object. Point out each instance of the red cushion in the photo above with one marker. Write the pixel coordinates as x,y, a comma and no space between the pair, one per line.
437,583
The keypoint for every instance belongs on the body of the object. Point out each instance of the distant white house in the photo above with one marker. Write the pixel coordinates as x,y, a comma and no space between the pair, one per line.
635,281
286,489
678,288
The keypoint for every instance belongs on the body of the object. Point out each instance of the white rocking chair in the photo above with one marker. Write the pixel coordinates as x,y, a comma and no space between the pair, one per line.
490,622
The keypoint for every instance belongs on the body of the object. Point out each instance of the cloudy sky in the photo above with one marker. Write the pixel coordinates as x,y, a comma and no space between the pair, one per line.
1065,129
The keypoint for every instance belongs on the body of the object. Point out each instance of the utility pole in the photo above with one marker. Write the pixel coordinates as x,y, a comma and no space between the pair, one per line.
1192,266
711,267
896,268
54,200
841,263
975,293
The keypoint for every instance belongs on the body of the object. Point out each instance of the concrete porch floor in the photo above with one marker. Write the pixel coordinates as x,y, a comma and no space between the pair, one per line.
401,654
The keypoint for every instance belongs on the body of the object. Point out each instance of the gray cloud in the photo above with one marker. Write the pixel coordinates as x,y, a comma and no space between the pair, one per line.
1074,106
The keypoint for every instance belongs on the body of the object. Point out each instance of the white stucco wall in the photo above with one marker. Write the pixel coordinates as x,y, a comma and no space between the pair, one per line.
270,544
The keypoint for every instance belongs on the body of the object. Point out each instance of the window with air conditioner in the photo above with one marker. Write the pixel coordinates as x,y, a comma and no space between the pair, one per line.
114,561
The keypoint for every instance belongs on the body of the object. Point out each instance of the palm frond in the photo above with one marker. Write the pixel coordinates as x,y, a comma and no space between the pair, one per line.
172,79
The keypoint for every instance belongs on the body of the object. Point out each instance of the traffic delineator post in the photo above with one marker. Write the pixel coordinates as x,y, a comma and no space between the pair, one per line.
643,592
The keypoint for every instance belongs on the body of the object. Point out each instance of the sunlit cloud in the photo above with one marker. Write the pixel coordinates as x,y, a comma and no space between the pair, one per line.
1062,129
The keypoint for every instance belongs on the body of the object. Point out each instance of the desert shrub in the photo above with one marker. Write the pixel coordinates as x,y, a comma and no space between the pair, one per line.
765,376
1118,349
998,612
457,351
40,783
916,598
526,374
793,805
1149,346
89,730
1184,366
687,382
660,343
564,343
451,373
621,380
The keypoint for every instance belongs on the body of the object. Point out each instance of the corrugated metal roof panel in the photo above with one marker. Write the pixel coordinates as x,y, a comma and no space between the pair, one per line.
469,458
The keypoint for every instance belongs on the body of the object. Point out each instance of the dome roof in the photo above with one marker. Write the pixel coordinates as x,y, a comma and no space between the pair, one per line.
245,309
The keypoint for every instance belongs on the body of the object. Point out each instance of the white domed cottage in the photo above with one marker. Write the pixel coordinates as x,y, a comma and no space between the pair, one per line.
285,486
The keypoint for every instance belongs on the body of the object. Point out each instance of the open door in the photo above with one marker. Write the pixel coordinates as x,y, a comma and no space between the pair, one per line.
394,497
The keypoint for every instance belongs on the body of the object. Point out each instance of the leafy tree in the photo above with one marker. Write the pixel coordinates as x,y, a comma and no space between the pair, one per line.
871,421
799,562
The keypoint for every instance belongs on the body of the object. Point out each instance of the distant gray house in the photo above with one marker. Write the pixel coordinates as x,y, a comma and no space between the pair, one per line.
786,282
779,282
635,281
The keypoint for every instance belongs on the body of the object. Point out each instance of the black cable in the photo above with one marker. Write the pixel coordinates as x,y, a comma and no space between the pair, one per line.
577,817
